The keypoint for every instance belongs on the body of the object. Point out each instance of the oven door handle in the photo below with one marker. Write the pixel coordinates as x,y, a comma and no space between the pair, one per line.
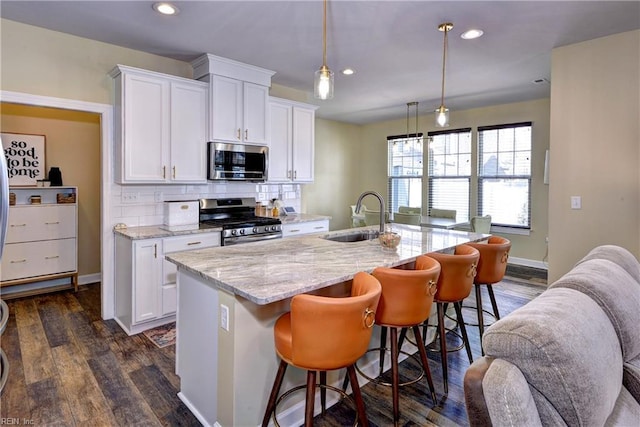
248,239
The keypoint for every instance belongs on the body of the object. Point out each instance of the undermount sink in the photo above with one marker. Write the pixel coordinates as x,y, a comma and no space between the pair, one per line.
357,236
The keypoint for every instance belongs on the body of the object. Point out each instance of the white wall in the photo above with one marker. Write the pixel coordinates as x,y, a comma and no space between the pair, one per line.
595,154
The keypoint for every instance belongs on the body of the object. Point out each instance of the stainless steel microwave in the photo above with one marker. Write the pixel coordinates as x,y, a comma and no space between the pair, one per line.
237,162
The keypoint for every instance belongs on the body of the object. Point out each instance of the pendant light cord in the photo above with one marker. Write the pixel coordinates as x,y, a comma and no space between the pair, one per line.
444,59
324,35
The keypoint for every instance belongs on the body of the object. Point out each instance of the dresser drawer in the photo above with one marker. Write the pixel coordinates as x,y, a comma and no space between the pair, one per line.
23,260
44,222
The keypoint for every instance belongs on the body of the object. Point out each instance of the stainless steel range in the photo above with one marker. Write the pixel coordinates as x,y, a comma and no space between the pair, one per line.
237,218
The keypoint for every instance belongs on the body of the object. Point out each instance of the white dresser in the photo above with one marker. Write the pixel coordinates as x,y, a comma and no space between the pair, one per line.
41,240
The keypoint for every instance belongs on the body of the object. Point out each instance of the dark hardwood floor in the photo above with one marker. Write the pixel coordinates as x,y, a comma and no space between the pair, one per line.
70,368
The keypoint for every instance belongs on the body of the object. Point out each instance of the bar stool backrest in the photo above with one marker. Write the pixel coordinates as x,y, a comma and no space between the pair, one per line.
493,259
330,333
458,272
407,295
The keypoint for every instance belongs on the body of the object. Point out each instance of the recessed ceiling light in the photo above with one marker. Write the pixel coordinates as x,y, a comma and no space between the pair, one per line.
348,71
472,34
166,8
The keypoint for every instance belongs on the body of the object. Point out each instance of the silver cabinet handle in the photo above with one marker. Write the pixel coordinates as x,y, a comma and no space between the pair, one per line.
246,134
52,257
52,223
239,134
18,225
194,243
18,261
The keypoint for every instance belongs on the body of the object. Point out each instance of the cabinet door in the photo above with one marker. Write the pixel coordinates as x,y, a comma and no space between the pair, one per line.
147,266
280,145
146,128
227,109
256,99
303,144
188,132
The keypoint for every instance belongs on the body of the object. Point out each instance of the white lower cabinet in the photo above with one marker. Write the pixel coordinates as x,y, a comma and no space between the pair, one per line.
146,282
300,228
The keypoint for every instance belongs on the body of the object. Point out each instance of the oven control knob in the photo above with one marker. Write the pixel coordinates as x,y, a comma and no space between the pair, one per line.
233,232
255,229
273,228
242,231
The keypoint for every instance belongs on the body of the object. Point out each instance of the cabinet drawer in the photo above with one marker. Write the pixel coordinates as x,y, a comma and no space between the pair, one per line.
22,260
190,242
184,243
290,230
46,222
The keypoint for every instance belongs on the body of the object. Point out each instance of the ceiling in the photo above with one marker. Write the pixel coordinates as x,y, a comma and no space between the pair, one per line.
394,45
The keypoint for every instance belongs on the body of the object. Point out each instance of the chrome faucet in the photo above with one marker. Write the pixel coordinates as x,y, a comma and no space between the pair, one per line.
380,199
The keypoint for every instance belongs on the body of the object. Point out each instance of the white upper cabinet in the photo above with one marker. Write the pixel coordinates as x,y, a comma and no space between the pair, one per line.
292,141
161,127
238,111
239,99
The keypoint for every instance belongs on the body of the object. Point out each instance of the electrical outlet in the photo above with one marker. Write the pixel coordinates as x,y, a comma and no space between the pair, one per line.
224,317
576,202
130,197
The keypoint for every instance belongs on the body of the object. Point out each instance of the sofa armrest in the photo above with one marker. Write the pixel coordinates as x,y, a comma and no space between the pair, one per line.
477,410
497,394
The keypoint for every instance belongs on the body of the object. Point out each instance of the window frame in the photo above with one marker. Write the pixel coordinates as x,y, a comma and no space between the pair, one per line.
431,177
481,176
396,139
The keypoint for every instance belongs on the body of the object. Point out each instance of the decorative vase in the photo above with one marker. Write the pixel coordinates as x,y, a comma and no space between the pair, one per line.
55,176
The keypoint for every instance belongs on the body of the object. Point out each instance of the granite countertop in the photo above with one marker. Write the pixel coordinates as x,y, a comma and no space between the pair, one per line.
160,231
274,270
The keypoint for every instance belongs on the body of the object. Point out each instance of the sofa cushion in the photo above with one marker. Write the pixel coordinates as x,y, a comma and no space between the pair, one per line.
626,411
567,350
631,377
618,255
616,292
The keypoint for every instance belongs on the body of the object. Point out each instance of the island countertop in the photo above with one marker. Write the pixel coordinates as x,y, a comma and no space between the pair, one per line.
274,270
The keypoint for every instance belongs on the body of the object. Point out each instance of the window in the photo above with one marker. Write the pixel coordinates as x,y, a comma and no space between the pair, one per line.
504,174
405,171
450,170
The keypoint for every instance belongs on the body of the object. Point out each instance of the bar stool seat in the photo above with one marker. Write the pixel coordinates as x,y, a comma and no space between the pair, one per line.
323,334
454,285
407,296
491,269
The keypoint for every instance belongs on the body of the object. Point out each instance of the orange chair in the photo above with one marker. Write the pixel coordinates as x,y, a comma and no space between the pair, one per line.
491,268
322,334
454,285
407,296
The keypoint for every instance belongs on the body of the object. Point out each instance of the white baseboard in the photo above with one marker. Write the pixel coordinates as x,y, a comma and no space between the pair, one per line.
86,279
528,263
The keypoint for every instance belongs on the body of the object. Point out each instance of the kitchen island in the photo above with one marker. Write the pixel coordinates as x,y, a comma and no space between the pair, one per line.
230,297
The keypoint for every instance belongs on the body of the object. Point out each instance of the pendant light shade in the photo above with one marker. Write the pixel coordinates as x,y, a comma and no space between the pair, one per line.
442,113
323,81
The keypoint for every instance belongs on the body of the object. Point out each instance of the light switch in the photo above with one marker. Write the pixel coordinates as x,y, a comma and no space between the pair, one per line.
576,202
224,317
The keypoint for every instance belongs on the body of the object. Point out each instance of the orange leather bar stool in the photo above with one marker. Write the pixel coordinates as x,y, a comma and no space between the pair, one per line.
323,334
454,285
407,296
491,268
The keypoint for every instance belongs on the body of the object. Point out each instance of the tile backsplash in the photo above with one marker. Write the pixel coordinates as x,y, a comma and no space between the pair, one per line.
140,205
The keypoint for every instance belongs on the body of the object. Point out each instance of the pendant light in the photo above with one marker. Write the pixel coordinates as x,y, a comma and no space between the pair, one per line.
442,113
323,82
409,105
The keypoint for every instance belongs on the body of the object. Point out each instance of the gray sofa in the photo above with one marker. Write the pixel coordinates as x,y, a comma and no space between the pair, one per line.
570,357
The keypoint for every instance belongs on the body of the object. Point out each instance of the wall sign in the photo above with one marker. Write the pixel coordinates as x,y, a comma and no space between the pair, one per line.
25,158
